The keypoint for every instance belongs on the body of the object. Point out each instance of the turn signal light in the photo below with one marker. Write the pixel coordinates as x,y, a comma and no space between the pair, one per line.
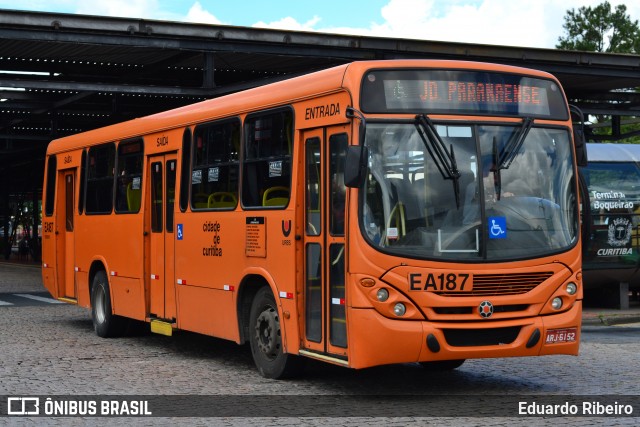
367,282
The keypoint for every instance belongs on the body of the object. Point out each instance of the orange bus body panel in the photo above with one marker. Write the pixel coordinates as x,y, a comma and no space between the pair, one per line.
214,259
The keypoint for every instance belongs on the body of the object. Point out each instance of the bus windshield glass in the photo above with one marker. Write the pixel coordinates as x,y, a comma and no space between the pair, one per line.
462,92
415,205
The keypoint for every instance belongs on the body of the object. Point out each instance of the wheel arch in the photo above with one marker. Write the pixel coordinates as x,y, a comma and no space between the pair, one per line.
96,266
249,286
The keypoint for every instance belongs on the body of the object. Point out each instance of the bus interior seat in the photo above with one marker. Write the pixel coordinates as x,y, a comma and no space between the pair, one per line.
133,198
200,201
455,214
275,196
412,201
439,199
397,220
222,199
421,196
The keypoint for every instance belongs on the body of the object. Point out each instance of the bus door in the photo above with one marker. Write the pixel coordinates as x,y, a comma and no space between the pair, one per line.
65,250
161,271
324,242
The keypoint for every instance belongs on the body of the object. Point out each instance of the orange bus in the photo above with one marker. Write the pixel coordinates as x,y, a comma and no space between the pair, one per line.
373,213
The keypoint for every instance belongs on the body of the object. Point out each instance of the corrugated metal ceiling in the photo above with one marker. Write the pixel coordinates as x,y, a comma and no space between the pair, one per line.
101,70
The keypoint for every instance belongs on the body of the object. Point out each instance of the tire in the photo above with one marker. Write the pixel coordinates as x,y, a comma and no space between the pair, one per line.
105,323
265,339
442,365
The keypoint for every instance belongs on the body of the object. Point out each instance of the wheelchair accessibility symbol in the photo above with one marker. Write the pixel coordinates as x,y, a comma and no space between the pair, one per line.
497,227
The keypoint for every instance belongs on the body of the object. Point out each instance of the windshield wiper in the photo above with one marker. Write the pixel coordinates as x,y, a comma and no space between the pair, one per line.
510,150
508,153
444,160
497,179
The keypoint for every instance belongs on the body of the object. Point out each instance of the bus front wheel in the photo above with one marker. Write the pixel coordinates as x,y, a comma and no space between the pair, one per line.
265,339
105,323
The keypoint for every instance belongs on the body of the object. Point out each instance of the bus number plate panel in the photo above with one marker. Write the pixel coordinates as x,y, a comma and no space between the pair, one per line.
556,336
441,282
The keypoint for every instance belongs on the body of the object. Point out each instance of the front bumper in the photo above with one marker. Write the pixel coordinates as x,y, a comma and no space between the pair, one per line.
377,340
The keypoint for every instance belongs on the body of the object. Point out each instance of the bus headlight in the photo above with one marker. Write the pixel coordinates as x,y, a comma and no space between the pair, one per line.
392,304
382,294
556,303
399,309
572,288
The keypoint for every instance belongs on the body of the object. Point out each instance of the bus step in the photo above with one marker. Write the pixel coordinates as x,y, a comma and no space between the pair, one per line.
336,360
162,328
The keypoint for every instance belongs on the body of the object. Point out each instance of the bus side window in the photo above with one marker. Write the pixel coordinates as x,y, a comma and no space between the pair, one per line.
185,170
214,179
267,160
52,172
100,174
83,180
129,181
338,148
373,210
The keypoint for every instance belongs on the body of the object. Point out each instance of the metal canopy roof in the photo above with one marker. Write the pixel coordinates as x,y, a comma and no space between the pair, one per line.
61,74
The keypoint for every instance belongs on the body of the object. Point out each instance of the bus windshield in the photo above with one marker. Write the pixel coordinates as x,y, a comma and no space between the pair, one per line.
496,192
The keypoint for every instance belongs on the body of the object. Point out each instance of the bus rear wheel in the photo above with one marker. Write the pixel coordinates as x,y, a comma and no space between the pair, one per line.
442,365
105,323
265,339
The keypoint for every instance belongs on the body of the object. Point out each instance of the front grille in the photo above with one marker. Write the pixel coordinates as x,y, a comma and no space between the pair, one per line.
501,284
470,310
478,337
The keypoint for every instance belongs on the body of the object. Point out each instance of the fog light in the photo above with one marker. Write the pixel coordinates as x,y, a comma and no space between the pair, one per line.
399,309
556,303
572,288
382,295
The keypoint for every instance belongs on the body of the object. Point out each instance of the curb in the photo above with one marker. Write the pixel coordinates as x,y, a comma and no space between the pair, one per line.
611,319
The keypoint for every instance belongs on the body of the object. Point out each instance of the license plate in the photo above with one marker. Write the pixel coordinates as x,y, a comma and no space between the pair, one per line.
555,336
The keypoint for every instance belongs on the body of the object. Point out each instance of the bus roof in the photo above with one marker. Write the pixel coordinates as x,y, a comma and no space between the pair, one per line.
267,96
598,152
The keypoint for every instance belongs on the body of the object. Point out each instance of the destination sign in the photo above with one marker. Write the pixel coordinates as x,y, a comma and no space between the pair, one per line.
461,92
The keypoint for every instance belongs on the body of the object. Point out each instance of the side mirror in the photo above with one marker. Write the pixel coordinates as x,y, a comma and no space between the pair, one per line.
579,139
355,165
581,147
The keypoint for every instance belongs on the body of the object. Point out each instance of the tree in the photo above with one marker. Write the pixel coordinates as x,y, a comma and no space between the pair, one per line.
600,29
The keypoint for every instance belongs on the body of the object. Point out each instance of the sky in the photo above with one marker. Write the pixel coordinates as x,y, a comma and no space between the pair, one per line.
524,23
